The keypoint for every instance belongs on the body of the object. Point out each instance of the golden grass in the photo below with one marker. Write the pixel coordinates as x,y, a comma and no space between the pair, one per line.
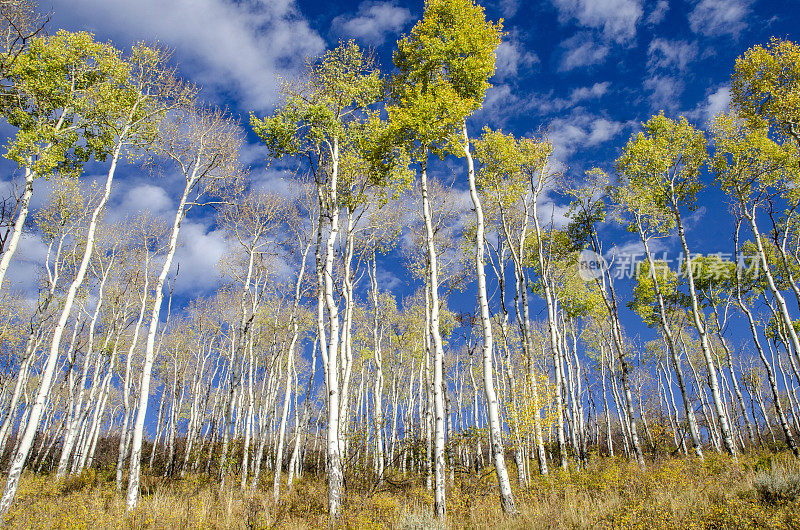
610,493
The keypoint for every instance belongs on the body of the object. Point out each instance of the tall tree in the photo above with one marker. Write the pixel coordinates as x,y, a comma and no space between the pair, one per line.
313,124
203,145
445,63
126,106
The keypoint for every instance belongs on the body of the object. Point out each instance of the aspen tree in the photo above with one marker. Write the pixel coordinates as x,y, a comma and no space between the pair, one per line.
713,283
19,23
203,145
76,414
747,289
252,222
148,237
125,109
535,165
60,220
589,209
443,77
656,286
504,182
62,85
312,124
661,169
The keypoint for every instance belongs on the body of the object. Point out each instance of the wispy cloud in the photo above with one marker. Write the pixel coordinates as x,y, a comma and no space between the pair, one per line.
372,23
579,130
658,13
665,91
716,102
616,18
235,49
512,58
670,54
581,50
715,18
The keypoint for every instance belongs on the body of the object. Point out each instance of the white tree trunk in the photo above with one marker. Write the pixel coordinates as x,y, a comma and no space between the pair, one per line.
134,466
495,430
49,369
438,350
19,224
670,340
713,380
377,390
330,351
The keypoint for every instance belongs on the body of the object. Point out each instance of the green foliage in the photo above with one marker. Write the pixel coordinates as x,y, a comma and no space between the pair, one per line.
337,89
765,86
508,164
645,301
445,64
749,164
68,87
660,171
587,209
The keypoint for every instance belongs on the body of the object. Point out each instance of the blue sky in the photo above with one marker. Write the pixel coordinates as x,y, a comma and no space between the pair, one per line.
585,71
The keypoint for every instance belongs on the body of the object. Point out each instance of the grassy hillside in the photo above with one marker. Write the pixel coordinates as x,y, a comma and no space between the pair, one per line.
762,490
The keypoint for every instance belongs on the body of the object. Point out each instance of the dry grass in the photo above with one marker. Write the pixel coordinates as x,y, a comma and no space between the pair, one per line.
757,492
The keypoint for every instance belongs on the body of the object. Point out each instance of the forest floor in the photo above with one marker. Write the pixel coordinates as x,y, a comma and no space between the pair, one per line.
761,490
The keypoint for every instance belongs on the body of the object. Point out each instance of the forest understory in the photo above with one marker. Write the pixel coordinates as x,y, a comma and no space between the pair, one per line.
760,490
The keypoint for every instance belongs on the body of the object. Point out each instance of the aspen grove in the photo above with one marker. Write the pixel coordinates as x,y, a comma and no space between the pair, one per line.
519,349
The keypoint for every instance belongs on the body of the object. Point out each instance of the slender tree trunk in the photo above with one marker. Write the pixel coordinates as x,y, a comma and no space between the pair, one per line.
552,322
770,376
55,347
713,380
377,390
132,495
495,429
330,352
438,350
670,340
13,242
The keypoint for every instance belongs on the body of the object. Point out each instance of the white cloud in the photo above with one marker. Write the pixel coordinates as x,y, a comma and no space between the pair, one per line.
581,129
153,199
279,181
602,130
714,18
388,281
198,254
502,102
667,54
26,265
552,213
499,104
508,7
623,257
616,18
373,22
581,50
230,47
511,57
658,13
595,91
665,91
547,103
715,103
718,101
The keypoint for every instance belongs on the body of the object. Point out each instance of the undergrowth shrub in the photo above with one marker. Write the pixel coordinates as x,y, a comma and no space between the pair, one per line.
759,490
778,485
420,519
